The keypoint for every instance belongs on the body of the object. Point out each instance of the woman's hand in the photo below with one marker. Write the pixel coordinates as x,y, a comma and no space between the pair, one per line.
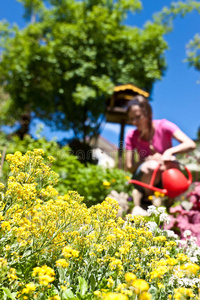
167,156
164,159
157,157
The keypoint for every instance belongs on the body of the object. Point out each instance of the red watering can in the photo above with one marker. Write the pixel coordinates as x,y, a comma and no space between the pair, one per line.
174,182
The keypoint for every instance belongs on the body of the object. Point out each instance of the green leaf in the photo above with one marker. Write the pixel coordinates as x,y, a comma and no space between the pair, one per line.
92,281
68,294
83,286
8,293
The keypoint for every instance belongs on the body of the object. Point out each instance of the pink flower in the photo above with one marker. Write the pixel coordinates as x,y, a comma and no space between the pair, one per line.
182,219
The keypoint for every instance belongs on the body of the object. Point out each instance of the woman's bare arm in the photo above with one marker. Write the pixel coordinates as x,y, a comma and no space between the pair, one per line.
186,145
130,164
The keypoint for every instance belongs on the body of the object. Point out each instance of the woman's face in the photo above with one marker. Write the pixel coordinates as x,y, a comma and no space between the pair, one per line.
137,118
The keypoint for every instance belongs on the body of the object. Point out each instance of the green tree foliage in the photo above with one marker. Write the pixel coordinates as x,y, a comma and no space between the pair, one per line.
193,52
181,8
5,102
64,64
176,8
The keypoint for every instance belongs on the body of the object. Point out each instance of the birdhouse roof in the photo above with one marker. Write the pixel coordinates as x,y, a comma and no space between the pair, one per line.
131,87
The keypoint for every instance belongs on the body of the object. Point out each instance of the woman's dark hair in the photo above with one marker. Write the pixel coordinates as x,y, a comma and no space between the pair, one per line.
143,103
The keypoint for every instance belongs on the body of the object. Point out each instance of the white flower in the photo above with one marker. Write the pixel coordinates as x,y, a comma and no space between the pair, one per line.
187,233
152,210
161,210
170,233
182,243
164,218
194,259
152,226
193,240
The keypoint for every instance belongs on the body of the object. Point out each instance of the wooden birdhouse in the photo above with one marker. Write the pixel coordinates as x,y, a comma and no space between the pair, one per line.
116,106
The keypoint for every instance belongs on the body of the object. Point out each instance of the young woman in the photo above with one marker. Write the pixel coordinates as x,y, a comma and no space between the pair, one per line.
152,140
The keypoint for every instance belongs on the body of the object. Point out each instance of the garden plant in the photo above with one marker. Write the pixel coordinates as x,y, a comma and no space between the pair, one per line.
93,182
54,247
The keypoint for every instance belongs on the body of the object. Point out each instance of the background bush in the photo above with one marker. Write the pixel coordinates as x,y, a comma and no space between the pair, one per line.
91,181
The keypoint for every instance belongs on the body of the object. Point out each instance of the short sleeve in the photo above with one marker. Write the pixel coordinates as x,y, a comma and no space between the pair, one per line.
129,141
169,127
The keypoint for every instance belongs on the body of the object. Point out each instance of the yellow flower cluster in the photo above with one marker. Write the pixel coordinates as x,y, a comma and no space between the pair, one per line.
29,288
183,293
133,286
69,252
62,263
49,239
45,274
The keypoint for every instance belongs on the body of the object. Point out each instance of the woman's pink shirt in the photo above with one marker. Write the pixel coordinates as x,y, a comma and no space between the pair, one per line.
161,141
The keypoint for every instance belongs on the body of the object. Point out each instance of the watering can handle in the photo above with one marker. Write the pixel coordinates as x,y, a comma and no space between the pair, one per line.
156,170
154,175
151,184
189,175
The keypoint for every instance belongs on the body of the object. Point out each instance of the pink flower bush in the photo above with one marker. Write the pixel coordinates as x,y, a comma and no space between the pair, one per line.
182,219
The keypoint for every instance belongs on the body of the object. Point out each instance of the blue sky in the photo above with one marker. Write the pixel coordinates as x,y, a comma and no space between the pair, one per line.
177,96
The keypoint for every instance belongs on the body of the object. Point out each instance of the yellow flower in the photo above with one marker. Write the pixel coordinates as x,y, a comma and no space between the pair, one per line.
110,282
45,274
116,264
115,296
179,274
2,186
145,296
29,288
75,253
69,252
159,272
182,257
1,217
97,293
51,158
183,293
3,262
12,274
56,297
6,225
106,183
172,261
140,285
62,263
7,248
161,286
39,152
158,194
190,269
160,238
45,279
129,277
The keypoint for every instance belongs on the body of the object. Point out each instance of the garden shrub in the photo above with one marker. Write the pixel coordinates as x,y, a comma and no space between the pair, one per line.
186,215
54,247
93,182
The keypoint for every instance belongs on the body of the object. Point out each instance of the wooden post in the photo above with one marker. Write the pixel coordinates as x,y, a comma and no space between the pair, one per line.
121,146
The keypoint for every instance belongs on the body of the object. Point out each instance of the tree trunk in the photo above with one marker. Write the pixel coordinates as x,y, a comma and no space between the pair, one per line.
24,125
